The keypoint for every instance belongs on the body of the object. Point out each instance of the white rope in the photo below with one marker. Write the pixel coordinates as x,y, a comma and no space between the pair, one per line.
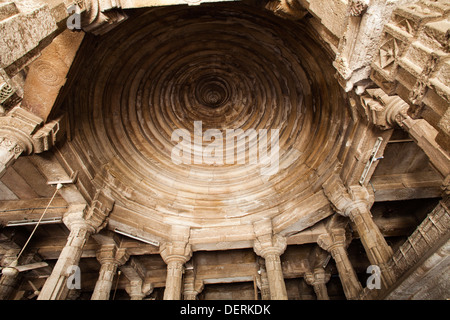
59,186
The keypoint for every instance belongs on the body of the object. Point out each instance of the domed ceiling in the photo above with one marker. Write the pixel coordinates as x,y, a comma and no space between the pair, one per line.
192,69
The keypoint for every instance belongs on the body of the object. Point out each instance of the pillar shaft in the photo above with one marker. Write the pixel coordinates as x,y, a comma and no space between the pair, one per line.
375,245
8,283
110,257
321,291
335,244
175,254
352,287
55,288
104,283
174,279
275,276
264,284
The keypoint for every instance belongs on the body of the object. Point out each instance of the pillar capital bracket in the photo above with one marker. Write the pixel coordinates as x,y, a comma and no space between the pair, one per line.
93,217
176,251
346,201
335,238
269,244
112,254
137,289
22,129
384,111
317,276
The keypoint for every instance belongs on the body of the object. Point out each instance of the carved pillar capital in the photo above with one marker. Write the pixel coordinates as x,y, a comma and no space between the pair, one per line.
112,254
175,251
270,245
384,111
266,243
137,290
332,240
101,16
346,201
28,131
317,276
93,217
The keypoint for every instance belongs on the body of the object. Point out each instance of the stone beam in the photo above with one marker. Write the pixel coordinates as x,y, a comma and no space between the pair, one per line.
406,186
29,210
47,74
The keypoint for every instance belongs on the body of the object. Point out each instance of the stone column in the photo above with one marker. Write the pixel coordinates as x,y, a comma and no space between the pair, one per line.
110,257
82,221
318,279
55,288
378,251
175,254
8,282
271,247
355,204
334,243
192,286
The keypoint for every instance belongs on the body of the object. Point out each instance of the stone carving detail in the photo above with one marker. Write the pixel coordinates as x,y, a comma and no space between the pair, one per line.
345,201
412,62
10,145
288,9
102,16
6,91
388,52
357,7
96,215
47,73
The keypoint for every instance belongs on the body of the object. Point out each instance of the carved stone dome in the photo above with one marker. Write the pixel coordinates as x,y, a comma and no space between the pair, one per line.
228,67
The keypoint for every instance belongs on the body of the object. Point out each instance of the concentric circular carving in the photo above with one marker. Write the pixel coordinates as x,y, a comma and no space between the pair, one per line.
226,67
47,73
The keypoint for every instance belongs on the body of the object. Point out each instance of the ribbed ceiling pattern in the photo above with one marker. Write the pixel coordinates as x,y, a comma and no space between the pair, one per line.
229,66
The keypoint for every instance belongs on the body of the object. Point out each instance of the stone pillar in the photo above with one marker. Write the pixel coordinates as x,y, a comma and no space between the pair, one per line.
55,288
355,204
110,257
9,282
318,279
334,243
175,254
378,251
192,286
82,222
271,247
